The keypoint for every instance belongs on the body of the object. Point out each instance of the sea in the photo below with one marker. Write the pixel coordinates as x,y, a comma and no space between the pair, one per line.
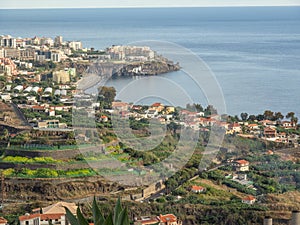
252,53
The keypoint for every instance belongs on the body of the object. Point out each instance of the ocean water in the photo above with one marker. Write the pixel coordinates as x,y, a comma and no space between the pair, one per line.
253,52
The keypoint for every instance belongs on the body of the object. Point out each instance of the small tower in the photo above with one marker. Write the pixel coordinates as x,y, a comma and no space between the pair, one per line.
295,218
268,220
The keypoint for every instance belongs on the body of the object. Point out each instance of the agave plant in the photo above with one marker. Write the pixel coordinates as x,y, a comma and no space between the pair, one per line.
118,217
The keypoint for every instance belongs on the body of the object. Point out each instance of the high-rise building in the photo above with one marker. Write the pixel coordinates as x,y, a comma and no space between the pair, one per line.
75,45
27,54
61,77
58,41
8,41
55,56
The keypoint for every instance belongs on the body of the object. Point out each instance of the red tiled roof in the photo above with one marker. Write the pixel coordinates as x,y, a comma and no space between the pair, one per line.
235,125
157,104
29,217
167,218
38,107
242,161
197,188
252,125
249,198
3,220
269,129
51,216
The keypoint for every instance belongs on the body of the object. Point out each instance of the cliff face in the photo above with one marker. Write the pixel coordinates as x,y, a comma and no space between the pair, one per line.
147,69
56,189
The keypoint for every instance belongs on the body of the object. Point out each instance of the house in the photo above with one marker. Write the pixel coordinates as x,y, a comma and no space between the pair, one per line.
253,126
224,125
136,107
198,189
235,128
169,110
169,219
51,112
287,124
249,200
51,124
151,113
282,137
158,107
146,221
270,134
56,214
207,122
188,116
267,123
270,152
3,221
104,118
120,106
43,219
241,165
59,207
37,108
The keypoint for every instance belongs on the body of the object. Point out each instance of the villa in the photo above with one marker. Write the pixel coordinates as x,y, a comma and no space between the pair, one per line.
241,165
249,200
198,189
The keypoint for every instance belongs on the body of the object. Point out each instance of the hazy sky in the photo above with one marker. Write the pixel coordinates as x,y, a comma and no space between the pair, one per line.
139,3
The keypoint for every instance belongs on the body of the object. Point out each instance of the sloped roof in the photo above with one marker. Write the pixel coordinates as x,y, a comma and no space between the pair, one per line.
58,208
51,216
28,217
3,220
167,218
197,188
242,161
249,198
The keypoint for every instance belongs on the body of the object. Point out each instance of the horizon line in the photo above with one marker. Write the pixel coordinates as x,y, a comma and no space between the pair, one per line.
154,7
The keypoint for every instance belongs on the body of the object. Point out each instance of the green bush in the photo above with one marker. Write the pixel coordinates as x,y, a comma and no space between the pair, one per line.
118,217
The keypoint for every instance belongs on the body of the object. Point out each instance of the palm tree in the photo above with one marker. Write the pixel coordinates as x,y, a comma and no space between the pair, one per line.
118,217
294,119
278,117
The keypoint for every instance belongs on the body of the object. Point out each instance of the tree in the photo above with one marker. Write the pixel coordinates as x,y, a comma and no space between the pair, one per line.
278,116
252,117
198,107
295,121
244,116
108,93
210,110
268,115
5,134
260,117
291,115
119,217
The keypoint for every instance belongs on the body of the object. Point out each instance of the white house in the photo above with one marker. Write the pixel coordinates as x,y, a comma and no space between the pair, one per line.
249,200
241,165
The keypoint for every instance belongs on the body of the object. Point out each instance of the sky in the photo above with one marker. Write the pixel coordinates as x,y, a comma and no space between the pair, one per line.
12,4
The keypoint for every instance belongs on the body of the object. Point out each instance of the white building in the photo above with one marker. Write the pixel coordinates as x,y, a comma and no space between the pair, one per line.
249,200
55,56
75,45
241,165
8,41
